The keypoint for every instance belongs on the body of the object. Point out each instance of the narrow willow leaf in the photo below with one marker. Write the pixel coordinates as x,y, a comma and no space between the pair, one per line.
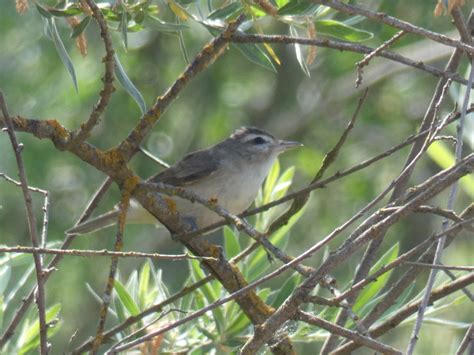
281,3
259,262
283,183
444,157
298,8
286,290
209,294
123,28
143,284
401,301
238,324
178,10
72,11
13,290
341,30
272,53
128,85
270,181
231,242
161,26
42,11
62,52
226,12
182,46
252,52
5,273
126,299
299,53
256,54
15,259
374,288
80,27
30,337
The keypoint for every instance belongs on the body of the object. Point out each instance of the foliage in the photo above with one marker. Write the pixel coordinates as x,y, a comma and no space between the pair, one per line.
298,91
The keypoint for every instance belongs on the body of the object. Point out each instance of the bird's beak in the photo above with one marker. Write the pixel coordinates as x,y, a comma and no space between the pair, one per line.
287,145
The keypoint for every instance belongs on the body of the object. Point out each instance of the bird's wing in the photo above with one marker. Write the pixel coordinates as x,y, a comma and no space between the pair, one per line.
192,167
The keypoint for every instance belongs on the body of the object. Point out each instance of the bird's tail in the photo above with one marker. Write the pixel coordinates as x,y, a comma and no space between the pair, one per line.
103,221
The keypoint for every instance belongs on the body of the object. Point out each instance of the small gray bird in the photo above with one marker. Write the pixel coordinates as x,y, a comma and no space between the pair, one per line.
231,172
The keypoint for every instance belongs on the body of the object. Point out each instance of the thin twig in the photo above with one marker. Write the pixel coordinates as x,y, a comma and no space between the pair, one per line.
299,202
104,252
367,58
422,193
138,331
109,62
322,183
466,291
394,22
346,333
468,339
441,267
21,311
346,46
41,295
409,309
203,59
235,220
426,125
107,297
441,242
399,260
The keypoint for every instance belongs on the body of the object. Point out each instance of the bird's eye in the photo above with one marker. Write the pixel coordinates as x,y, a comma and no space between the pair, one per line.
258,140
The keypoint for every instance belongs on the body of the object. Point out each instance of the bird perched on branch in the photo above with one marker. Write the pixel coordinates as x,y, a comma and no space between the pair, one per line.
230,172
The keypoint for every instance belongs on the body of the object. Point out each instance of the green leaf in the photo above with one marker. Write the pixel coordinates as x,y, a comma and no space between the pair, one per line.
401,301
119,309
62,52
341,30
42,11
126,299
252,52
283,183
30,338
143,285
5,273
209,294
256,54
128,85
3,306
226,12
259,262
238,325
14,260
270,181
231,242
299,53
281,3
80,27
163,291
444,157
123,28
298,8
72,11
161,26
373,289
132,284
286,290
182,45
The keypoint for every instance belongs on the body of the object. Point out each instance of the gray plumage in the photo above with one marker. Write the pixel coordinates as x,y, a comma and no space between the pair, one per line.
231,171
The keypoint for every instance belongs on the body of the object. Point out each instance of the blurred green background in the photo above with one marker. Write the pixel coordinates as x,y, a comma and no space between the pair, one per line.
232,93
